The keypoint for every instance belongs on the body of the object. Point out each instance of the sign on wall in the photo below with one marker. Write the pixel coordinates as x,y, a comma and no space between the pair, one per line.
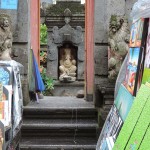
8,4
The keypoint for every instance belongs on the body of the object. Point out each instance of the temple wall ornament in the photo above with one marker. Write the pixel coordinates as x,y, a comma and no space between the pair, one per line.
5,37
118,44
67,33
66,51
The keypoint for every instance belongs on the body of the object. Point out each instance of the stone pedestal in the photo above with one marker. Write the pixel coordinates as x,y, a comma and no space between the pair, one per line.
67,89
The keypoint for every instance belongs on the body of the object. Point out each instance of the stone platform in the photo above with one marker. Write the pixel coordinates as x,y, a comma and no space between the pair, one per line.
67,89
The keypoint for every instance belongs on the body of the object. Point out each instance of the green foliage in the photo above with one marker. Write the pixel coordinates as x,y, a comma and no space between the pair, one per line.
43,34
48,82
42,53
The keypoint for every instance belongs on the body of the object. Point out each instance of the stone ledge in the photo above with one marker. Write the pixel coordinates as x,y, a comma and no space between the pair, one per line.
74,84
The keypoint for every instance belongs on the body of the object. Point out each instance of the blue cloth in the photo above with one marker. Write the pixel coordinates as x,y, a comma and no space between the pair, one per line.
39,85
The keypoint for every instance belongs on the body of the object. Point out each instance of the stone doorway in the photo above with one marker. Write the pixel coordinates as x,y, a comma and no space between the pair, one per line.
69,26
66,54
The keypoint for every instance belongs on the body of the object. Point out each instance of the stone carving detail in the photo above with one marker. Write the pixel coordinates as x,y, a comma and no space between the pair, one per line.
52,53
118,44
67,66
67,33
5,37
57,38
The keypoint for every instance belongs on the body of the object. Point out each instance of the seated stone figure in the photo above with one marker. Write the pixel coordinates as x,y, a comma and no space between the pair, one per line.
5,38
67,67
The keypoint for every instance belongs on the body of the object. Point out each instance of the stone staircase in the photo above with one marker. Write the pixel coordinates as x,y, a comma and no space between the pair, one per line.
59,123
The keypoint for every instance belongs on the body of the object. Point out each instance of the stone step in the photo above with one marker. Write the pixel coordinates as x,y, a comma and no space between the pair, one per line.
44,127
58,143
57,113
58,123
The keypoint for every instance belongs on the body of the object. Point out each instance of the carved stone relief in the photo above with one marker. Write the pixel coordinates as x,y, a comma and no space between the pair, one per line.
5,37
118,44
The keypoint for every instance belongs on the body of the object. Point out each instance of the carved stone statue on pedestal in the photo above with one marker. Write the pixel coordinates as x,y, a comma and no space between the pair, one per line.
5,37
118,44
66,37
67,67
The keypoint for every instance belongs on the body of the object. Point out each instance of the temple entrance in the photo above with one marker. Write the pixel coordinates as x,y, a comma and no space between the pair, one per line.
62,122
65,47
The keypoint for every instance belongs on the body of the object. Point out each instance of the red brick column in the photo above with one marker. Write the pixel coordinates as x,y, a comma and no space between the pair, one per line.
89,49
35,27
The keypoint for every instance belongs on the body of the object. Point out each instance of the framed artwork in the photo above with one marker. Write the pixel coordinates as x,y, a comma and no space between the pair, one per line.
8,4
123,102
5,75
133,70
136,33
6,79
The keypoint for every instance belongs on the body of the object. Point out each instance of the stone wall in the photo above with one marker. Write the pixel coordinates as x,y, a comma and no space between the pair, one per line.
21,39
103,11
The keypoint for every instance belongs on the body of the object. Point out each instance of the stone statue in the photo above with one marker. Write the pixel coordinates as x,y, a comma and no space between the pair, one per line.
5,37
67,67
118,44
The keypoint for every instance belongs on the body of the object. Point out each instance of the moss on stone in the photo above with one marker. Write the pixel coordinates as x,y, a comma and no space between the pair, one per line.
58,9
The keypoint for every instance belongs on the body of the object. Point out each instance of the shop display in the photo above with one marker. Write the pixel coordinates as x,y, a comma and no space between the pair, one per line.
111,129
141,127
132,95
11,100
133,117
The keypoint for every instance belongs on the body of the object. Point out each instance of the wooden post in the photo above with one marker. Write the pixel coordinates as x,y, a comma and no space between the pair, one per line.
89,49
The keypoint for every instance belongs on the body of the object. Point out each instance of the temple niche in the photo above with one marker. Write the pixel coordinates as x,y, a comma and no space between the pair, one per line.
67,64
65,55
